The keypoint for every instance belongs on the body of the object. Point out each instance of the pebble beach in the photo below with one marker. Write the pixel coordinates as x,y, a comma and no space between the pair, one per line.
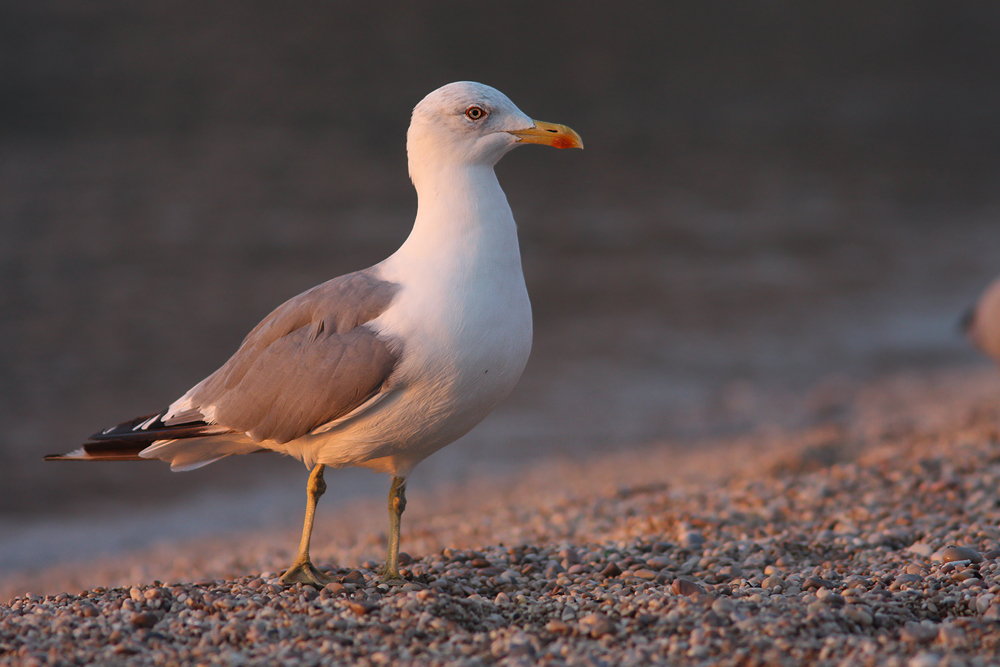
749,433
871,537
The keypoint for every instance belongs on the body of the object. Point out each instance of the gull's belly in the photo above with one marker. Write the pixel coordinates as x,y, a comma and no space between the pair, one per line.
451,376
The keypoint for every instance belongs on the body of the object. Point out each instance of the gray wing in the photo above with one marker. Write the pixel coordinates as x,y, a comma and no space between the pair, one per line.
312,360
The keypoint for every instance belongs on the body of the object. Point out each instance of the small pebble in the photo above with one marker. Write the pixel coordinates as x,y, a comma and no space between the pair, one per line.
925,659
334,589
612,570
904,580
557,627
921,549
354,577
723,606
596,625
858,614
919,632
692,539
658,564
144,619
686,587
361,608
816,582
953,553
153,594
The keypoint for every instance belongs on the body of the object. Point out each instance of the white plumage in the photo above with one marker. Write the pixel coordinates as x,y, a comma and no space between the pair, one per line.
382,367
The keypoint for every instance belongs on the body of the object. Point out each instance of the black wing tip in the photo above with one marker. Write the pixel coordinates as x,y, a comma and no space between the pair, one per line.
102,459
130,427
101,451
124,441
150,428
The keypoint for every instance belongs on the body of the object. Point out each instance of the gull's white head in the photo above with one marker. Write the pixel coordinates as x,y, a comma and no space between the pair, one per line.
467,123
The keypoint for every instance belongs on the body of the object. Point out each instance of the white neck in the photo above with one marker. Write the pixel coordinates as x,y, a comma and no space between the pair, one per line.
463,227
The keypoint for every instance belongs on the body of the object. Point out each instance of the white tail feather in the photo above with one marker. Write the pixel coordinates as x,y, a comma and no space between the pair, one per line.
79,453
192,453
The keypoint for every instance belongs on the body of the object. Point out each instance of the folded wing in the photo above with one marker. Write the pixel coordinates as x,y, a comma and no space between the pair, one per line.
313,360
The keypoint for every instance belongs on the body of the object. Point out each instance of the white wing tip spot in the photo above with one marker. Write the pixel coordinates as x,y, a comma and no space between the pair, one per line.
80,453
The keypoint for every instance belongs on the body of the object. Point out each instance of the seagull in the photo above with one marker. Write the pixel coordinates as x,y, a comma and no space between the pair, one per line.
382,367
982,322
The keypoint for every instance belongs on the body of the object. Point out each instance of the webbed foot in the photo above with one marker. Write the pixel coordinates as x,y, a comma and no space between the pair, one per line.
304,572
392,578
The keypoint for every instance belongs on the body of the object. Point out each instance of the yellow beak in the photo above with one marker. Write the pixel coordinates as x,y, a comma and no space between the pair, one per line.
550,134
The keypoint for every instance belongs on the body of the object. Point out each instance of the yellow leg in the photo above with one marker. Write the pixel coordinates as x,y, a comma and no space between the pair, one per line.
397,503
302,570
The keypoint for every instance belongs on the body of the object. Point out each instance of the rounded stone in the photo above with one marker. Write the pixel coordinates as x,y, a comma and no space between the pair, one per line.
612,570
596,625
686,587
692,539
954,553
143,619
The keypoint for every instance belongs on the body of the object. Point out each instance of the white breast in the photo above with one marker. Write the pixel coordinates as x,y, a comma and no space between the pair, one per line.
463,318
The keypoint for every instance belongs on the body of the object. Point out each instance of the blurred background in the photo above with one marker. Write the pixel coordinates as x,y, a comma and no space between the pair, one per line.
778,201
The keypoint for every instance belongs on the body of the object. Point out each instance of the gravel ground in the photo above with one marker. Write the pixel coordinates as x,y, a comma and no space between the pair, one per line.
871,538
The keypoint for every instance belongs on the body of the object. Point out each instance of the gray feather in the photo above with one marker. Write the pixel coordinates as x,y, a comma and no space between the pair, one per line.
309,362
192,453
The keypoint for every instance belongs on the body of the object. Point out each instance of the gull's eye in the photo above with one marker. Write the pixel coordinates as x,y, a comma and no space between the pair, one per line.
475,113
